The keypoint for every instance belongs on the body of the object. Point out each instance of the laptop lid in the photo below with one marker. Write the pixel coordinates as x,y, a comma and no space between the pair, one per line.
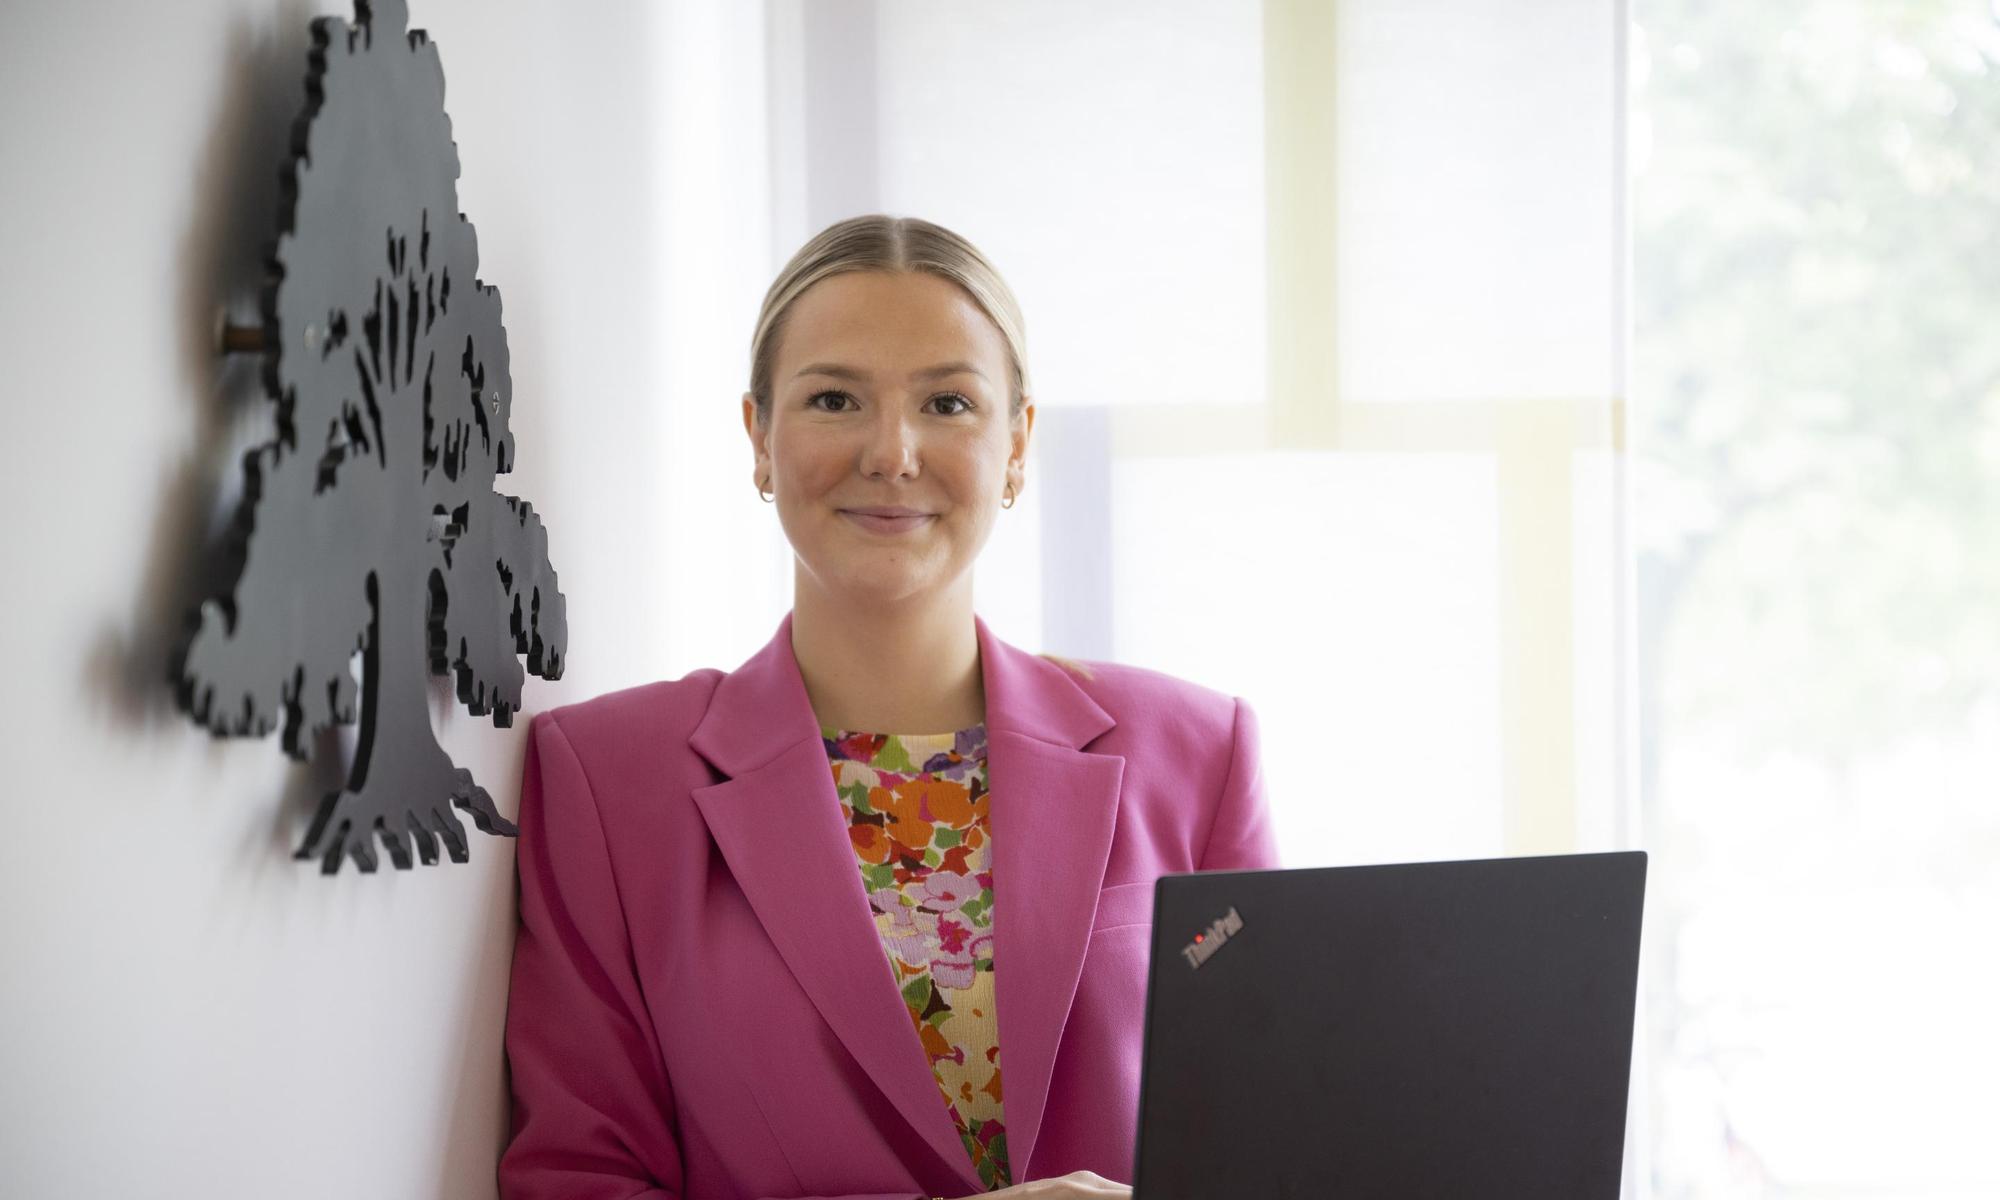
1444,1029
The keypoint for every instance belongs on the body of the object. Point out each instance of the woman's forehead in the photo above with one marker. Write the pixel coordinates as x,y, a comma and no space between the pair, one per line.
871,321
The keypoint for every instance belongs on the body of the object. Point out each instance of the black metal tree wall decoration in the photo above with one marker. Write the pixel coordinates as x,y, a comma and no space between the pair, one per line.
370,522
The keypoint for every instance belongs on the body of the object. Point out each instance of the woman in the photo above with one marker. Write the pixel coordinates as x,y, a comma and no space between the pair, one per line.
778,925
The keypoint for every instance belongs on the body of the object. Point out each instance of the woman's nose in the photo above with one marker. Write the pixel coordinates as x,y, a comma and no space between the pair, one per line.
891,448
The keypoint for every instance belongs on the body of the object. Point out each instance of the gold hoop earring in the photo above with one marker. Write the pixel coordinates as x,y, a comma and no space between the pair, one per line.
1009,501
766,498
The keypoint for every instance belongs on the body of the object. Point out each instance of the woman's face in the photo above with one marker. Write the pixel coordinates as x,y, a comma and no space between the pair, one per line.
889,391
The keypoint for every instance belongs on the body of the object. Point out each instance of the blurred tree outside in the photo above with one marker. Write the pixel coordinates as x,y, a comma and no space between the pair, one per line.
1816,449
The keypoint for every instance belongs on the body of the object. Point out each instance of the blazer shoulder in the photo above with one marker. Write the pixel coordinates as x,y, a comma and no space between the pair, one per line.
1152,700
655,711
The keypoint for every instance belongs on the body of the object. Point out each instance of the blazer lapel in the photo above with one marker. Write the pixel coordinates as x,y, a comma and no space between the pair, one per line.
777,823
1053,811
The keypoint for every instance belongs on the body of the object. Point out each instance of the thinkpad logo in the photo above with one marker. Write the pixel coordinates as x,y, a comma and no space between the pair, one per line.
1207,942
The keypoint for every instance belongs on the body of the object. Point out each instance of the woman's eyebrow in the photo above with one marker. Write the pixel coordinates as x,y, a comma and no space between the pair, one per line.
838,371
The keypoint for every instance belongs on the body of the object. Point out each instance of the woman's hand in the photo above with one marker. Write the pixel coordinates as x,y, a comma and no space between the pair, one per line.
1077,1185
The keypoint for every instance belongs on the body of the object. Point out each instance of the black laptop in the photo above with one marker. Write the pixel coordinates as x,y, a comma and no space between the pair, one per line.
1414,1030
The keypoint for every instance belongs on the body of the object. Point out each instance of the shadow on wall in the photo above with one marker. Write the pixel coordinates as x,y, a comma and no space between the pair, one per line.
221,267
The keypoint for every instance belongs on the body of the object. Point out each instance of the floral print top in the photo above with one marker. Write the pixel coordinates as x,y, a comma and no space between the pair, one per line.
916,807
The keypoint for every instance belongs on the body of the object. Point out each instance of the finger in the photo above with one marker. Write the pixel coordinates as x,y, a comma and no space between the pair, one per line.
1091,1184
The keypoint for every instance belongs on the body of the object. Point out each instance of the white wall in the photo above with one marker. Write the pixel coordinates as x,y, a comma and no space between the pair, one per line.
185,1010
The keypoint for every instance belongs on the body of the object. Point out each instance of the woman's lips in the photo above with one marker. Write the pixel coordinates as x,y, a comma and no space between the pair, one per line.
886,524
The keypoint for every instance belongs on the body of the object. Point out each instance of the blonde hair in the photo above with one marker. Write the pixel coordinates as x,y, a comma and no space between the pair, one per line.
878,242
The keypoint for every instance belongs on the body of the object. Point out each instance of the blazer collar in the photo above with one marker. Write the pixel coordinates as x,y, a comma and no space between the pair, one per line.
777,822
760,709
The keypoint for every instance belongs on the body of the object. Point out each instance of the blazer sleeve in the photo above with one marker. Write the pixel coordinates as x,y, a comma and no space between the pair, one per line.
1240,837
593,1109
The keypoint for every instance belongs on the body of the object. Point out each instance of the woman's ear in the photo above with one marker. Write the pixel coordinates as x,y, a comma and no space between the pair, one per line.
759,440
1023,426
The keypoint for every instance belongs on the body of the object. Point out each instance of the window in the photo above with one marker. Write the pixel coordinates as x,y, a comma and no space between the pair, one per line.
1816,401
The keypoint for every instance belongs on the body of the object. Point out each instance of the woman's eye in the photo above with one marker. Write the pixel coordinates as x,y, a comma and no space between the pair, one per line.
964,404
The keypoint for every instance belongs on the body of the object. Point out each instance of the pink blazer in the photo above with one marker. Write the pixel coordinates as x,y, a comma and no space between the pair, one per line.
700,1004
